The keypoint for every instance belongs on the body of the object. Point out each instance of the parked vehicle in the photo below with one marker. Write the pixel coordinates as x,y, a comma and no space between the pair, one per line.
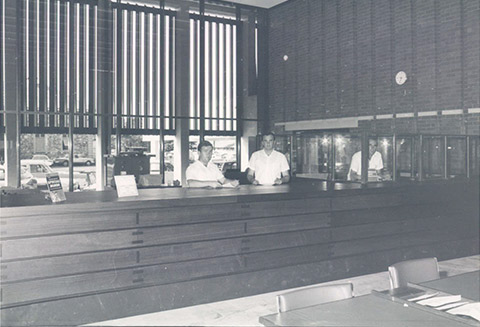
43,157
77,160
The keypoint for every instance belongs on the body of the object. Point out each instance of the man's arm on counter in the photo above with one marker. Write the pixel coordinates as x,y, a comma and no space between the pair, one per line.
198,184
284,179
250,176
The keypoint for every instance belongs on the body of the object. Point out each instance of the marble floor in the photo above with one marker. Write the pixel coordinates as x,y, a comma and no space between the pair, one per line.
245,311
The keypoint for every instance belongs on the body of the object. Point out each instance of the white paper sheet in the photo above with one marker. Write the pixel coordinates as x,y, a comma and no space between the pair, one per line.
423,297
471,310
450,305
440,300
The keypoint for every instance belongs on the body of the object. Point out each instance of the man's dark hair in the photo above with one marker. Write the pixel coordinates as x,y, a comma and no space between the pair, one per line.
204,144
268,133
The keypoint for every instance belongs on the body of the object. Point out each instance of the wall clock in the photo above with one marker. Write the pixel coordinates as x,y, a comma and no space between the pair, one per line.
401,77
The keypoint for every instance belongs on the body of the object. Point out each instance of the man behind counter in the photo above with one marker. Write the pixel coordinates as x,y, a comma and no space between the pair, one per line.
267,166
375,163
204,173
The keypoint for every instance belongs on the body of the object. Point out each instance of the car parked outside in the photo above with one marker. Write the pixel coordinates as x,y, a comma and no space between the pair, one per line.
43,157
77,160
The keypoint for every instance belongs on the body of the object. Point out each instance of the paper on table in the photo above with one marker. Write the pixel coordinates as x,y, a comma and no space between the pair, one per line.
441,300
423,297
450,305
229,185
471,310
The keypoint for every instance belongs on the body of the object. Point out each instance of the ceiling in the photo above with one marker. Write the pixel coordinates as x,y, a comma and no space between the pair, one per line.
259,3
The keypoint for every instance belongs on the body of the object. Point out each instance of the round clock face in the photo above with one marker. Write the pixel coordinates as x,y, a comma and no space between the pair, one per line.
401,77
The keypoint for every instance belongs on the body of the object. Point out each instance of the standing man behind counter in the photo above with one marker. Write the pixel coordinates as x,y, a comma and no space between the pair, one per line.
375,163
267,166
204,173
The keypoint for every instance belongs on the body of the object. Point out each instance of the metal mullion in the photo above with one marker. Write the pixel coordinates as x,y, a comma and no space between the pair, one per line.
63,63
137,72
232,66
219,72
159,27
197,75
2,90
129,89
52,63
193,74
224,76
1,64
154,69
161,72
210,76
119,82
202,70
171,72
72,81
42,51
32,85
239,85
21,35
91,68
146,85
217,82
81,72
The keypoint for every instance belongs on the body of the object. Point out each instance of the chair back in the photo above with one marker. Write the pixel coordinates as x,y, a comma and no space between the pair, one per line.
313,295
413,271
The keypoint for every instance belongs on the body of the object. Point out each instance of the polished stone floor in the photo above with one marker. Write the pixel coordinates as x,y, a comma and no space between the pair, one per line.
245,311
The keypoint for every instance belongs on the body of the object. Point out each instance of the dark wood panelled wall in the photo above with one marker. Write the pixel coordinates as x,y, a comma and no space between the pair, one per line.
76,263
343,56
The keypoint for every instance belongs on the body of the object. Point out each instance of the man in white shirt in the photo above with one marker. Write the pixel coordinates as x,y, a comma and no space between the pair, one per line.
375,162
204,173
267,166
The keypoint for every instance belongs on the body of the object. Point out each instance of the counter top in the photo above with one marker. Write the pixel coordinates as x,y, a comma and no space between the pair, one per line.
21,204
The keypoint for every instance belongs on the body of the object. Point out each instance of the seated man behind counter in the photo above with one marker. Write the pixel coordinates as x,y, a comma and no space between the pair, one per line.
204,173
375,163
267,166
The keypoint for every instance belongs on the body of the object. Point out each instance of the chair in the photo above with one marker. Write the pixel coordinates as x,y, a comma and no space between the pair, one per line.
313,295
414,271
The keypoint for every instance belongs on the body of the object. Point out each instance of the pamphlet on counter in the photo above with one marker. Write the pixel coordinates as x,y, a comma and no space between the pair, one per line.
126,185
55,189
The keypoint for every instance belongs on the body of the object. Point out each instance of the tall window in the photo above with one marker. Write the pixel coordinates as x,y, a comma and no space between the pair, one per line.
220,74
144,46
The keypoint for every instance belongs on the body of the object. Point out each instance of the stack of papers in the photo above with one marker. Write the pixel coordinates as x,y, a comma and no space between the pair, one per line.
471,310
423,297
440,300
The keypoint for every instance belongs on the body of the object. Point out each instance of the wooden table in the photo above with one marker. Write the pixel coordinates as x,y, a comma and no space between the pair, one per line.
367,310
467,285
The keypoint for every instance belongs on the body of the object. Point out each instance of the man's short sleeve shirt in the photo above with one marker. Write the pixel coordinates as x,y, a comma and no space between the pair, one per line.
199,172
268,167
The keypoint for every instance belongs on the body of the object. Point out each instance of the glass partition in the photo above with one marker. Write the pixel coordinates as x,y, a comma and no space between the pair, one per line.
456,157
405,162
313,159
345,146
385,148
474,157
433,157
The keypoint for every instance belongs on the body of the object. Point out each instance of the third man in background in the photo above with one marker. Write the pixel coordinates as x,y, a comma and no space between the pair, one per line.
267,166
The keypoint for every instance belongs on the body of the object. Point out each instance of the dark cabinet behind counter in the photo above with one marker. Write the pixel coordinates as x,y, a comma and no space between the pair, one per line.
84,262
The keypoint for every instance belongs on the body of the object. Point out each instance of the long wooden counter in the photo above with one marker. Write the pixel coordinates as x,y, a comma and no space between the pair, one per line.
98,257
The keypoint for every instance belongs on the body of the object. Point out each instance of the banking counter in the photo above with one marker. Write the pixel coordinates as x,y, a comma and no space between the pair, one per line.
98,257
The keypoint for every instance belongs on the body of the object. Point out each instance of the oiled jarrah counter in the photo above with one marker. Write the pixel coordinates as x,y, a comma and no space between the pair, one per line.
98,257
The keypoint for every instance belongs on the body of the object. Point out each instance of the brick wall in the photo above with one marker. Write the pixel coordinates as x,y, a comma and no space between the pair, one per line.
343,56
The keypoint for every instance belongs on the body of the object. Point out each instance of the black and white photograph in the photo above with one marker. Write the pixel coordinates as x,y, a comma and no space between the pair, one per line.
240,163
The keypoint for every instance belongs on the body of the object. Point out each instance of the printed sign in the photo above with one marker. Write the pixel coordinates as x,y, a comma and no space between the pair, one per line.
126,185
55,189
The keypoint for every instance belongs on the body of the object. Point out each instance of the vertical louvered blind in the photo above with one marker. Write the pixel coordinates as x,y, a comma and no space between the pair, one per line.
220,74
